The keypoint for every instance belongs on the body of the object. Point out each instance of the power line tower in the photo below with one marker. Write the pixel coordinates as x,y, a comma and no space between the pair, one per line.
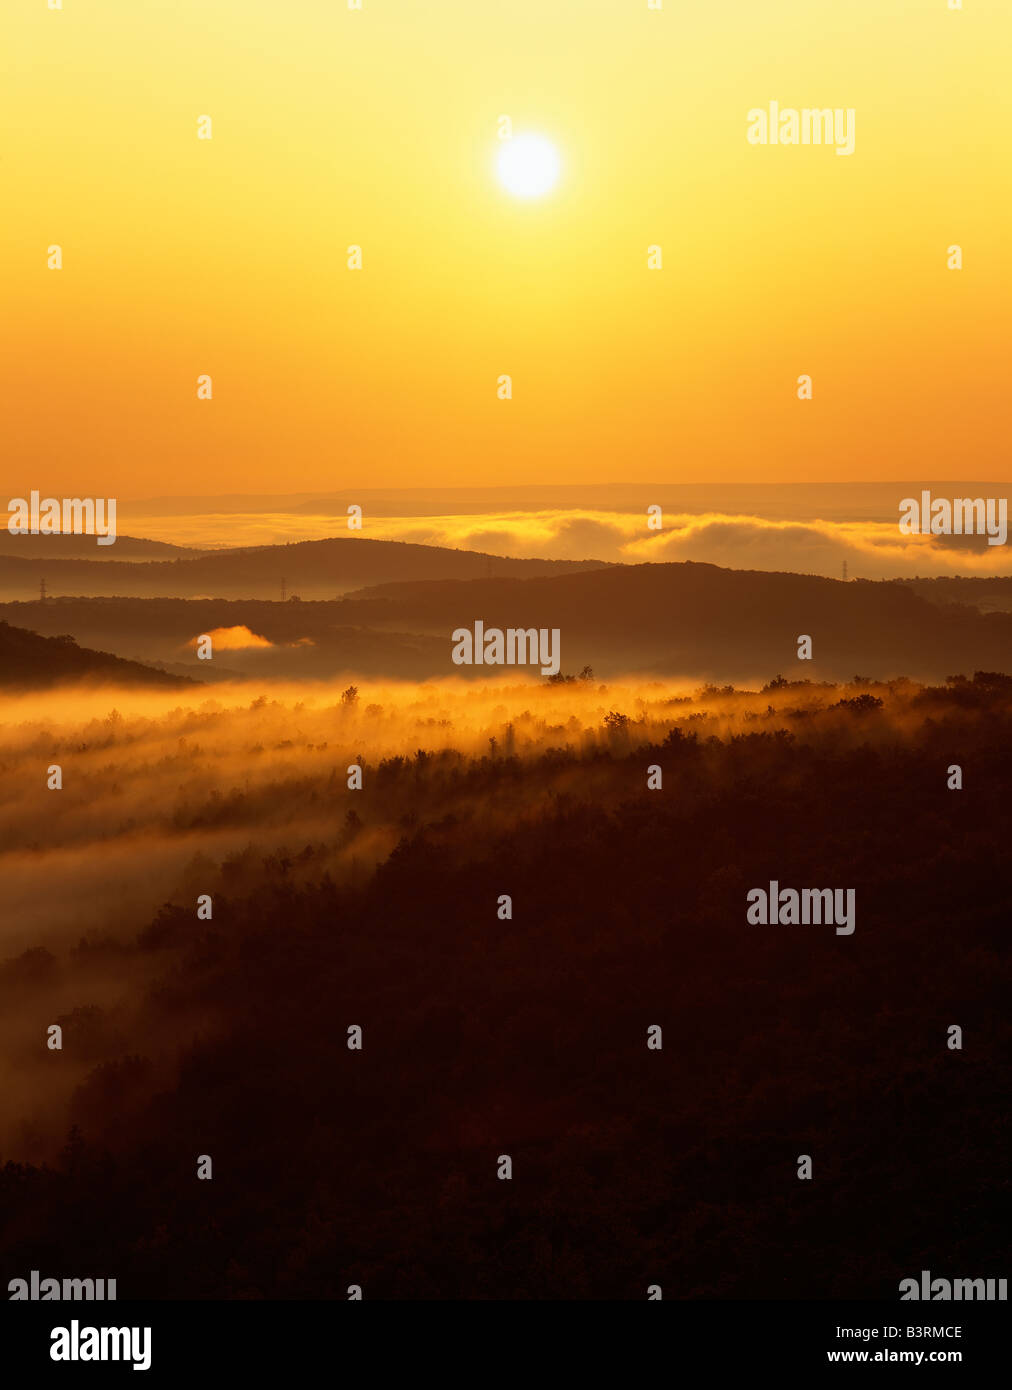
42,590
284,591
845,571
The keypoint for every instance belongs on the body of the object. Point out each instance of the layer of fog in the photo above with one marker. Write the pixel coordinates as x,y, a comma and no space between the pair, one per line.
164,799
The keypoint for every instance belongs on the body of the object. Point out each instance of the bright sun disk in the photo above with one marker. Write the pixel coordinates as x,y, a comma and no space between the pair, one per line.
528,165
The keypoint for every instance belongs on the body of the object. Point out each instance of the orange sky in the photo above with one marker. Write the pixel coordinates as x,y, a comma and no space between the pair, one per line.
378,127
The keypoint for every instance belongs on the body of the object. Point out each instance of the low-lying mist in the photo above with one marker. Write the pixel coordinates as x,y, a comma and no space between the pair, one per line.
150,781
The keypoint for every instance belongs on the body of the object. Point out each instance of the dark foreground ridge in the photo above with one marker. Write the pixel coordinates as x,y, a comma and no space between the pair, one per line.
528,1037
31,662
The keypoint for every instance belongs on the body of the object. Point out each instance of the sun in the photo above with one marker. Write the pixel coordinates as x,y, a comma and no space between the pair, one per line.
528,166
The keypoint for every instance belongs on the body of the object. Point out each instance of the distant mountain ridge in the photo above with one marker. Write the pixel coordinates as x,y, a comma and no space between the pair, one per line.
314,569
688,616
75,546
683,620
797,500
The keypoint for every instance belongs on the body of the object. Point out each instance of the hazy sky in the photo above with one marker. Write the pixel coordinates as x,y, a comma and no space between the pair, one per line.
333,127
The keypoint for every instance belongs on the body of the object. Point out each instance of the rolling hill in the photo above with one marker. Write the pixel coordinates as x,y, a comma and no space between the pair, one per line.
313,569
29,661
72,546
701,619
